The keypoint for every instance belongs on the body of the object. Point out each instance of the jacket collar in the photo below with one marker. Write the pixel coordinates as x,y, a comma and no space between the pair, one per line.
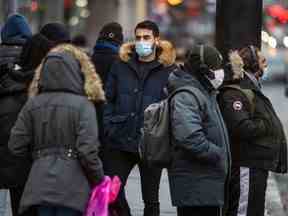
166,53
250,82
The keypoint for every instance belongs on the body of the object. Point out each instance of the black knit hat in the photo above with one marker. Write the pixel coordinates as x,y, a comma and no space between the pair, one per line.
112,32
56,32
211,57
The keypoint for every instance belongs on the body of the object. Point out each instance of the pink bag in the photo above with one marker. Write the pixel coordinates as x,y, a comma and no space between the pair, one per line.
102,195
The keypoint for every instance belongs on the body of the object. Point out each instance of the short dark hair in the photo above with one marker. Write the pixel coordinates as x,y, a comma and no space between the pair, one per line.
147,24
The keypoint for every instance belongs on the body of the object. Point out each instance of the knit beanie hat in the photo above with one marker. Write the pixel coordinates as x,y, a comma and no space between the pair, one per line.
210,57
56,32
16,28
112,32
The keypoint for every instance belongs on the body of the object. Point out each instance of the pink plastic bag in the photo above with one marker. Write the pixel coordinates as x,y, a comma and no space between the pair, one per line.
102,195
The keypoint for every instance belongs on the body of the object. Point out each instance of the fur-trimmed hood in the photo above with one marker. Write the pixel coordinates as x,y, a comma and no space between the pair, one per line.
237,64
60,71
166,53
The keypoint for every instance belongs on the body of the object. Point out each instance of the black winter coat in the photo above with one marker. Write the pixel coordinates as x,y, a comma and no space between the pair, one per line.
58,128
104,55
201,162
13,170
129,91
256,136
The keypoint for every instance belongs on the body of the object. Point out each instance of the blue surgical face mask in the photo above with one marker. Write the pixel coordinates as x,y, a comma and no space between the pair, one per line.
144,48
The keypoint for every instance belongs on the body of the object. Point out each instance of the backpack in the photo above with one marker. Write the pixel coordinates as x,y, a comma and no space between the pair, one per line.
248,93
156,147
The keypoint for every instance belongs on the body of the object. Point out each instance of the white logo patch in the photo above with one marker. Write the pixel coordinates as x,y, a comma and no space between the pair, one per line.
237,105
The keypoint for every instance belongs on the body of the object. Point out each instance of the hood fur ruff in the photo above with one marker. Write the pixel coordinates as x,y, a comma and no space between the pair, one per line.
93,85
237,65
166,54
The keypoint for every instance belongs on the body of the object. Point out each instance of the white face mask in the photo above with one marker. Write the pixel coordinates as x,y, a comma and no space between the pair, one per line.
219,78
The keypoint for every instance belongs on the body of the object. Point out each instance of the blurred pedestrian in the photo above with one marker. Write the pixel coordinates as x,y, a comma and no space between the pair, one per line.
200,165
135,81
13,91
257,138
106,49
57,128
105,53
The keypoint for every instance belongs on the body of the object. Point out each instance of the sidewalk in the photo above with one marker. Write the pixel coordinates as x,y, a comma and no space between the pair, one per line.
274,206
134,195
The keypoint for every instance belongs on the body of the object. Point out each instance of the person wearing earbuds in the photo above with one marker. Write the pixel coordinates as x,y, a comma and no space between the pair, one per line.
137,80
201,161
257,139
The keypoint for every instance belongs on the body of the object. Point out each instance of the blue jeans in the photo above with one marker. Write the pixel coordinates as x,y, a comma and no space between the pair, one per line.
57,211
3,202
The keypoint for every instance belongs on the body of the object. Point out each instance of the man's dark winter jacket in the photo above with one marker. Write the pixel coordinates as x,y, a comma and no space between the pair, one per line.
257,137
132,86
201,161
58,128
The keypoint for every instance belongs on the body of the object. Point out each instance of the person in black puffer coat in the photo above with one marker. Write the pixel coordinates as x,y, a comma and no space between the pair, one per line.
13,87
257,138
58,128
105,53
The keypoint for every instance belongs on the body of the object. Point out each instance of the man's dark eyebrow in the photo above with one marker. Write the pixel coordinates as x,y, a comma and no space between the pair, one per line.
146,35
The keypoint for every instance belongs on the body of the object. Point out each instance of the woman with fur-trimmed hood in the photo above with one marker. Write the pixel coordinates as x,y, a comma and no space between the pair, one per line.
57,129
135,82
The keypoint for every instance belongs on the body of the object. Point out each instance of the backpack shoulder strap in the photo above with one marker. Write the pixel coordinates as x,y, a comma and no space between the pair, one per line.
248,93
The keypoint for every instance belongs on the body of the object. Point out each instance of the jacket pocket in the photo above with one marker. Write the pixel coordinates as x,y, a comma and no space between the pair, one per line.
118,127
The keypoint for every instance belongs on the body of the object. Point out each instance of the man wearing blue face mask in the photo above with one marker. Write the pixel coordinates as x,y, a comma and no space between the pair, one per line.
135,81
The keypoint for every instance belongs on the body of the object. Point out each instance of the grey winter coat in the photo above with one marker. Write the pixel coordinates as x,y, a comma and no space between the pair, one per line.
200,164
58,129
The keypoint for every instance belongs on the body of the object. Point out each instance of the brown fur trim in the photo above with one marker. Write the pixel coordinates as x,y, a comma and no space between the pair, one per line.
92,86
126,51
237,65
166,57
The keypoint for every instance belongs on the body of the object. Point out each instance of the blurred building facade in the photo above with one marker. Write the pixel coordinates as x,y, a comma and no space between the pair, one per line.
185,22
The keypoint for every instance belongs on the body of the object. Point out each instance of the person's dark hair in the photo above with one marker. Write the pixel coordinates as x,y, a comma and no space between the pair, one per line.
250,58
147,24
